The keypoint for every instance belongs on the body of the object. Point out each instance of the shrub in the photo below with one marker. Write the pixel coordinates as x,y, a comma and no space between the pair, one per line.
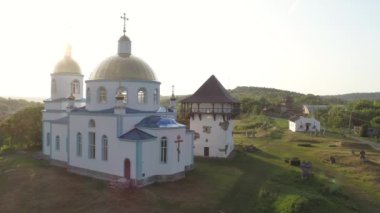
305,145
5,149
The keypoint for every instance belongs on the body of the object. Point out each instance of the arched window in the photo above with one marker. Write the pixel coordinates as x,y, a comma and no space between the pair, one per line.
124,93
141,96
57,145
79,144
164,149
88,95
102,95
104,148
91,145
53,86
48,139
91,123
75,87
156,96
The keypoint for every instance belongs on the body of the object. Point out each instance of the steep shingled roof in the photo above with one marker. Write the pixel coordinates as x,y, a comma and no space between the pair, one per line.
212,91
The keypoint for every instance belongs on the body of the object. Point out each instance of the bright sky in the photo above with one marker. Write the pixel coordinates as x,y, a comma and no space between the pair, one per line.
308,46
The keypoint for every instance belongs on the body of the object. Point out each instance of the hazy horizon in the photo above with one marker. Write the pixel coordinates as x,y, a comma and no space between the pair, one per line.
319,47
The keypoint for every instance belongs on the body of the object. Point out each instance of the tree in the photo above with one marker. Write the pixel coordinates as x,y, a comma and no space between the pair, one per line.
23,129
375,122
337,117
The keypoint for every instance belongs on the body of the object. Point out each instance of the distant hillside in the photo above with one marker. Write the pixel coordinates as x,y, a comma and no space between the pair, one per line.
276,96
371,96
9,106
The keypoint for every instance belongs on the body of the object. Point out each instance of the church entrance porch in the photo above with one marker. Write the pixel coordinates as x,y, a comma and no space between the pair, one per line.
127,168
206,151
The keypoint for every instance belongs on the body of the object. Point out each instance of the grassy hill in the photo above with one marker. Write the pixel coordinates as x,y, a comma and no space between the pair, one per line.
249,182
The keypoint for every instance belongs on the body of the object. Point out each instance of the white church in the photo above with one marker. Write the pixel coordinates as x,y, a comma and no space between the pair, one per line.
119,130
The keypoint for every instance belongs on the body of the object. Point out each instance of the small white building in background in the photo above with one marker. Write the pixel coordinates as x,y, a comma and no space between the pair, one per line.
303,124
211,110
119,130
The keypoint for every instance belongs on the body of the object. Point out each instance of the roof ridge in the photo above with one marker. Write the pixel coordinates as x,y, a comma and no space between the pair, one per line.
211,91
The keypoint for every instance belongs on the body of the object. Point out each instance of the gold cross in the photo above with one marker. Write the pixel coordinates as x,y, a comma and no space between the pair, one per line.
125,19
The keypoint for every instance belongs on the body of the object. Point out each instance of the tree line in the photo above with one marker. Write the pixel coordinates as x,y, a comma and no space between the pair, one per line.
20,124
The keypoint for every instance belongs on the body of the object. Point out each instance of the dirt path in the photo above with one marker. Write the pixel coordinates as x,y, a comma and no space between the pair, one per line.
364,141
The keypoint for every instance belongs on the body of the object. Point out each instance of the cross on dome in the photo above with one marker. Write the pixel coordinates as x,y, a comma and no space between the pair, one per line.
124,19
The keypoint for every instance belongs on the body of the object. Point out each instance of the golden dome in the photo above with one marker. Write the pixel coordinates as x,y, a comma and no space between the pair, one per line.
119,68
67,66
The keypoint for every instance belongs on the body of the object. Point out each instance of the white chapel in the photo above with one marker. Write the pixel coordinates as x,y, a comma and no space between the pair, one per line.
119,130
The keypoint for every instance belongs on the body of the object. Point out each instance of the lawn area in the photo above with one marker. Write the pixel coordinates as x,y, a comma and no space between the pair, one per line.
249,182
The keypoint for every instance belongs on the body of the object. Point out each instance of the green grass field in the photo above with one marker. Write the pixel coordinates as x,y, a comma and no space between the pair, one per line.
249,182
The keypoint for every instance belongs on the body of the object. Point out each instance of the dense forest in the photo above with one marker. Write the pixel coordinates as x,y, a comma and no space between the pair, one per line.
20,124
9,106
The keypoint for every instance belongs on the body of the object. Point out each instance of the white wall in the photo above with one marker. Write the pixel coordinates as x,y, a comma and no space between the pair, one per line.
61,131
132,88
152,164
46,129
216,140
63,85
117,150
300,125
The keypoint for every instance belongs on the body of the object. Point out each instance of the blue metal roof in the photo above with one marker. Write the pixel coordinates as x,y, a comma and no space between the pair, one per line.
136,135
155,121
110,110
64,120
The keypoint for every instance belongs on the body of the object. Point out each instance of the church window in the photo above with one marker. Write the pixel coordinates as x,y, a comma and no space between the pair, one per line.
207,129
104,148
164,149
124,93
91,123
155,96
79,144
48,139
57,146
75,87
91,145
53,86
102,95
141,96
88,95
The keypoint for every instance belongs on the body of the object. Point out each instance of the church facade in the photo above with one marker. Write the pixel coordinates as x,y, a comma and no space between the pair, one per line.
119,130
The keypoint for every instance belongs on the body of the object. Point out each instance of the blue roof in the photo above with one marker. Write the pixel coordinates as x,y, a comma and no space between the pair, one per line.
136,135
155,121
64,120
110,110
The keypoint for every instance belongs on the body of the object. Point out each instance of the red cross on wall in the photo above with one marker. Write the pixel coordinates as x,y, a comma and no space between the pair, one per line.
178,141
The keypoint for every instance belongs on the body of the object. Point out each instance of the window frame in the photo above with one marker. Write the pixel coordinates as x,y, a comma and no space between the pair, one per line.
57,143
91,145
79,144
104,148
164,150
142,96
75,87
102,95
156,96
